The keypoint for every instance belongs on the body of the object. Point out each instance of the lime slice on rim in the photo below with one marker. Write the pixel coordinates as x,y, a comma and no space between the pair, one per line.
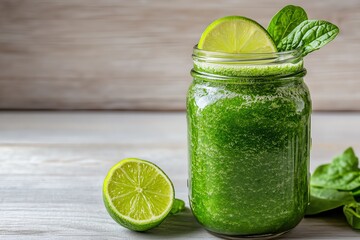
236,34
137,194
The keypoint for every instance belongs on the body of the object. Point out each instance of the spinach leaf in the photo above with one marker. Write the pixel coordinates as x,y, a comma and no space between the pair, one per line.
352,214
323,199
285,21
309,36
177,206
342,173
336,184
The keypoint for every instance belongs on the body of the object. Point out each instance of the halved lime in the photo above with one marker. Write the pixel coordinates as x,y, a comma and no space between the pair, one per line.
137,194
236,34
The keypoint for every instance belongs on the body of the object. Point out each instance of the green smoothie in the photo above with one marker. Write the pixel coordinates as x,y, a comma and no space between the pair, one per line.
249,144
248,113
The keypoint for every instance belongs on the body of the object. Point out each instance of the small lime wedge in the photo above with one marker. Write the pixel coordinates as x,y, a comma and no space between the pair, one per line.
236,34
137,194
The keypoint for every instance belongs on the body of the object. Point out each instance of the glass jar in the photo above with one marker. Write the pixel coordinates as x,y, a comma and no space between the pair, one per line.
249,142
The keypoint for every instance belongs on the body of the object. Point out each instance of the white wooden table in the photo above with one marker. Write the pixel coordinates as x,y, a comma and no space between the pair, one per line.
52,165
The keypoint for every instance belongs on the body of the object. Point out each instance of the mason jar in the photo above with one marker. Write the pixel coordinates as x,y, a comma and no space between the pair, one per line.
249,142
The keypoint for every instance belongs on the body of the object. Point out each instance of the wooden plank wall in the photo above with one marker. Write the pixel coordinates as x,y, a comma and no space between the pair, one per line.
135,54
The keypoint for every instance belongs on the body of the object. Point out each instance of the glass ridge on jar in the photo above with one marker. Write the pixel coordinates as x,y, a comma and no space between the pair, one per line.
249,142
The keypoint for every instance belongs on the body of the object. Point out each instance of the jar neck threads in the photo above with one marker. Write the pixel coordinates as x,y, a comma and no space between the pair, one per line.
249,65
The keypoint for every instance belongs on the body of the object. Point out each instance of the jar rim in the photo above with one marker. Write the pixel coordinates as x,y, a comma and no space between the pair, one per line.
248,58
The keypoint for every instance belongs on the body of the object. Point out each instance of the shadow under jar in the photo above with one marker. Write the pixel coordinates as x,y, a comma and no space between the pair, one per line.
249,142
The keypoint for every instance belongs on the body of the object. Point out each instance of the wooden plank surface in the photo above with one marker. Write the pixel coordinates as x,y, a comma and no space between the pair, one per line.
53,165
89,54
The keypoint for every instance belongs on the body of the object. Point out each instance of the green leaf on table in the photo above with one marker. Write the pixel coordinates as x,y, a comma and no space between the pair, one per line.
352,214
324,199
285,21
177,206
309,36
342,173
